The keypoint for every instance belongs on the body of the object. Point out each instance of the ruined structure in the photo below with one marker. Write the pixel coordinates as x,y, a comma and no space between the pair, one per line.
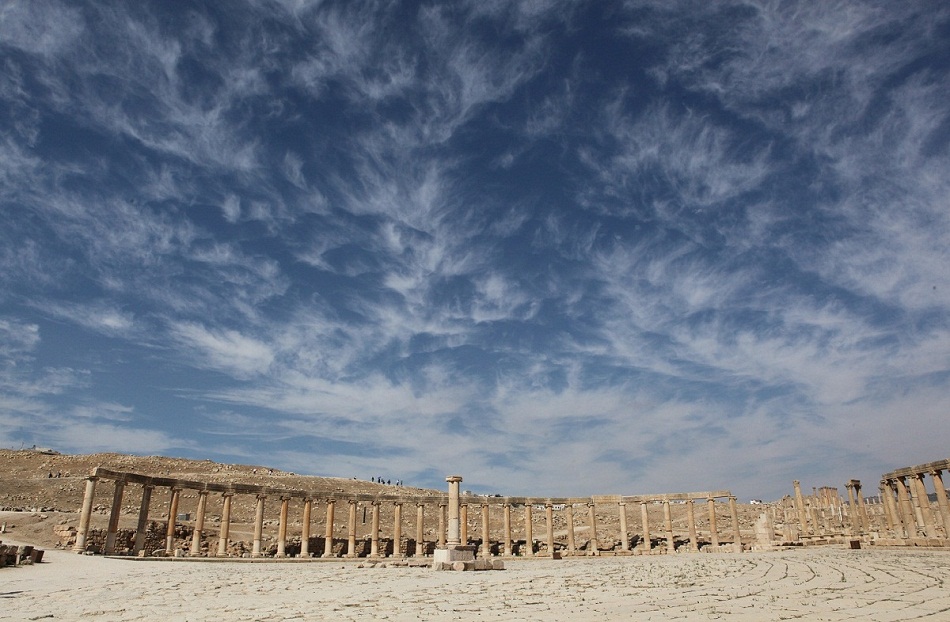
212,496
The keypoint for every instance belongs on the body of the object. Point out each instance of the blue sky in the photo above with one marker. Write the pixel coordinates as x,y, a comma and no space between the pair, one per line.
555,247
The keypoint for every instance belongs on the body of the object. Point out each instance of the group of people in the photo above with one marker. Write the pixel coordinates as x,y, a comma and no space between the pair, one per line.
388,482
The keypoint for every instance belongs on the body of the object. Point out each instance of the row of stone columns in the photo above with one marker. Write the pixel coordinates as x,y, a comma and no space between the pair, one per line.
457,519
907,507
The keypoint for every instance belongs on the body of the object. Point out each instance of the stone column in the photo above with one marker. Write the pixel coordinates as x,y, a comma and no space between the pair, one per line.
736,534
282,527
923,501
571,541
172,517
351,529
486,531
397,529
305,528
141,527
624,536
852,509
942,503
455,533
890,510
420,529
114,514
507,528
442,524
691,522
713,530
85,515
328,534
647,544
592,521
199,522
463,523
528,527
907,512
374,527
862,509
549,519
258,526
800,505
225,524
668,519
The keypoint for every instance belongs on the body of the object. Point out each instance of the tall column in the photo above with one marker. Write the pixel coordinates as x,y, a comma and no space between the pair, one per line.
305,528
862,509
225,524
351,529
199,522
258,526
691,522
853,510
85,514
571,541
420,529
328,534
624,536
455,533
442,507
736,534
592,521
668,519
374,536
713,530
507,528
942,503
549,519
923,501
486,531
397,529
172,518
528,530
647,544
282,527
915,504
907,512
890,509
141,527
463,523
800,505
114,514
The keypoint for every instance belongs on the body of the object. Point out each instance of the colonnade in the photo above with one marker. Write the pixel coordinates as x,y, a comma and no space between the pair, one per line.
907,507
482,508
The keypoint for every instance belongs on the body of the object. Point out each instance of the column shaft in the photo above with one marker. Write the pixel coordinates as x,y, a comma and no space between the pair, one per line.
691,523
455,532
420,530
141,527
114,517
713,529
172,518
624,536
853,510
486,531
592,521
225,524
528,531
374,537
85,515
351,529
736,534
282,527
907,512
862,509
923,501
549,519
800,505
328,534
571,541
305,528
507,528
258,526
668,519
199,522
397,530
442,507
463,523
942,504
647,544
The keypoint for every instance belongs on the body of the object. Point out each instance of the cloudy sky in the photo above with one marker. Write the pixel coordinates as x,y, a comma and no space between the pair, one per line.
555,247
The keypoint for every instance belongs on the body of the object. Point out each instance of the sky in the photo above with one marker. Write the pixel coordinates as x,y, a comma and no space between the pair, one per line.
558,248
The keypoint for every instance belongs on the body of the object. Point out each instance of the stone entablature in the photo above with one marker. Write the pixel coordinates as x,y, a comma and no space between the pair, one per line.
346,504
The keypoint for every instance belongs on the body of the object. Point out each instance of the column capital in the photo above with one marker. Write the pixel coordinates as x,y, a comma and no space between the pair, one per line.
622,504
420,504
935,472
261,496
352,501
376,502
203,493
453,479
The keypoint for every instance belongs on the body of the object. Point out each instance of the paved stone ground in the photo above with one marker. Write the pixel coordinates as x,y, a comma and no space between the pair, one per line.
818,584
